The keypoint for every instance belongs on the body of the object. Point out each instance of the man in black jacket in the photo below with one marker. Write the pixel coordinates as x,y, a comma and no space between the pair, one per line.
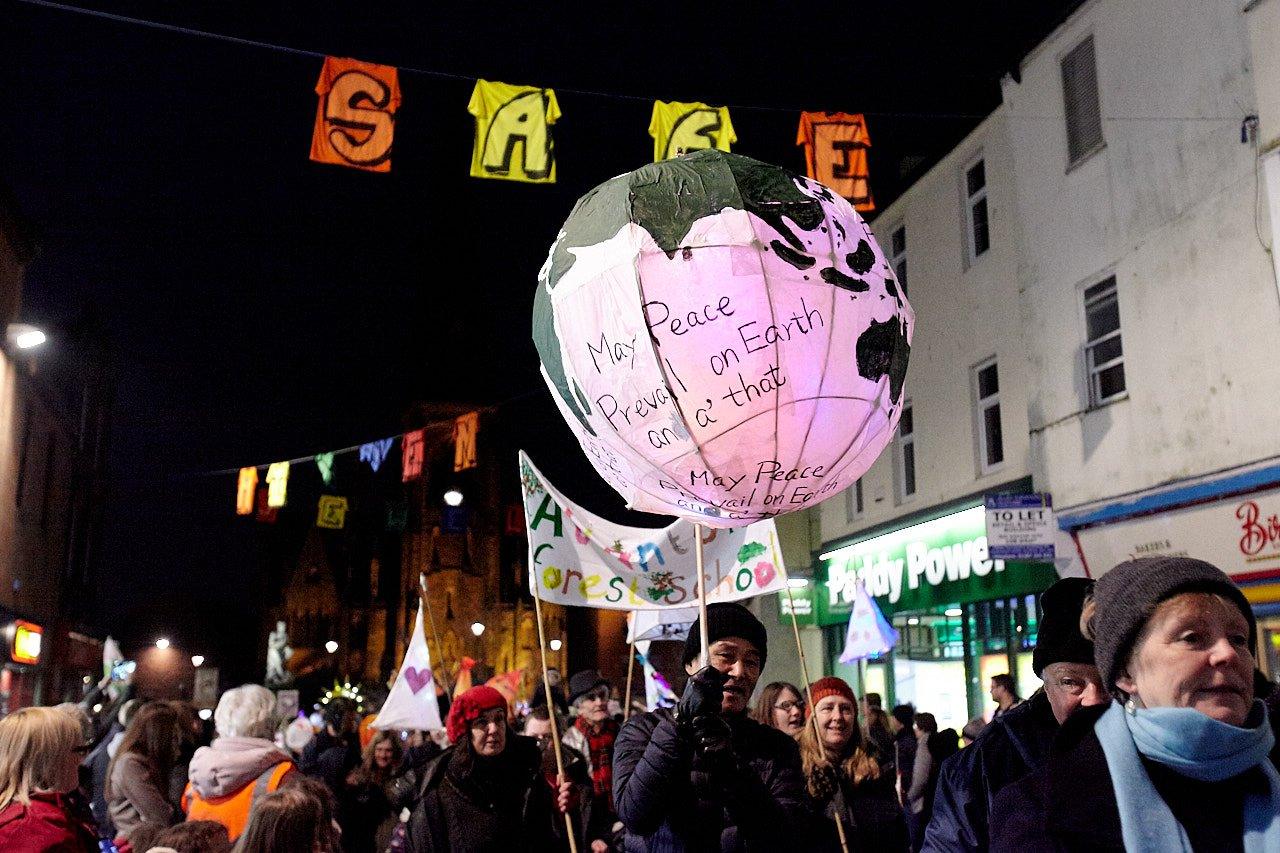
334,751
1017,742
707,778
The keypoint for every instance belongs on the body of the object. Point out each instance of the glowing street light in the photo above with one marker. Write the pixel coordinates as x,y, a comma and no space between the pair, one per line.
477,628
331,646
205,713
453,497
556,644
162,643
25,336
197,660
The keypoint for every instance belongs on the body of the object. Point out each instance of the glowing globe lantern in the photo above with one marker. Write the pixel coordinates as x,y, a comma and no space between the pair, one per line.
724,338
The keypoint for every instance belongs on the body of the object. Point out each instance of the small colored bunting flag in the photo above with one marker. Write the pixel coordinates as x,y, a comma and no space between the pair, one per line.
332,512
324,461
411,452
356,114
375,452
277,484
266,513
246,488
513,132
464,441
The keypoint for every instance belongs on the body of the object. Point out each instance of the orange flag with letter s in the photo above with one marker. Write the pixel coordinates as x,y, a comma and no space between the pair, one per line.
835,152
355,115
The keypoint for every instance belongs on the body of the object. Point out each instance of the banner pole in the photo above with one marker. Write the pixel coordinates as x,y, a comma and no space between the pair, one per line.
551,708
808,691
631,665
426,604
702,595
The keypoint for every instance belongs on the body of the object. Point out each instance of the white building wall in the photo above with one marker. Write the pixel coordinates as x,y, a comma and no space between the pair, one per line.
965,313
1168,207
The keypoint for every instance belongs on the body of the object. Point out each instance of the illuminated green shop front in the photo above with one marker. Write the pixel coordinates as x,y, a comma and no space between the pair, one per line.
961,616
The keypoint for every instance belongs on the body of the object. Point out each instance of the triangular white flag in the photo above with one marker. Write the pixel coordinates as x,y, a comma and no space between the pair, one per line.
412,702
869,632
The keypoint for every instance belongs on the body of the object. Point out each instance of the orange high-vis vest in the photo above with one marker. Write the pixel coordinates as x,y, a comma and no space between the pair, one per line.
232,811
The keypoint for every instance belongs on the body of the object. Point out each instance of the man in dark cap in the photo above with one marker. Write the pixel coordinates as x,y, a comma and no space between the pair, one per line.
593,735
1017,742
708,778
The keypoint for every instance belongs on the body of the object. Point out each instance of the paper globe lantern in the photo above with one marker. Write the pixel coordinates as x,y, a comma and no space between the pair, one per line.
724,338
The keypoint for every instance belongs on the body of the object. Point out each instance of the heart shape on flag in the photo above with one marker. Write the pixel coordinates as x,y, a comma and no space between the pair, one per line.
417,678
765,573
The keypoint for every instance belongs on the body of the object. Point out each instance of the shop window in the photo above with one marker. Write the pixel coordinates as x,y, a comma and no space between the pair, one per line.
853,503
1104,352
986,389
975,211
898,256
1080,102
905,456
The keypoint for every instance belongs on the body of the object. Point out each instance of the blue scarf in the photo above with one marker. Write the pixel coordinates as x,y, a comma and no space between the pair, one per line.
1196,746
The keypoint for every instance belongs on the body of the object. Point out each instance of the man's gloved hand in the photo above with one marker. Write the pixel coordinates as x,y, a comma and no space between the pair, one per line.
703,695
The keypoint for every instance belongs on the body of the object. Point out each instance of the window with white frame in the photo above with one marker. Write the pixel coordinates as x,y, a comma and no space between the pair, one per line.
906,456
975,208
1104,353
853,505
1080,102
898,256
986,388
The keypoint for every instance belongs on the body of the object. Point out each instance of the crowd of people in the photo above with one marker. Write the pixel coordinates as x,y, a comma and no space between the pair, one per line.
1153,731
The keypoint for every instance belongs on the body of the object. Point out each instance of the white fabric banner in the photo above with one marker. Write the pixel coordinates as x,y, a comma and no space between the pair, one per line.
577,558
670,624
412,704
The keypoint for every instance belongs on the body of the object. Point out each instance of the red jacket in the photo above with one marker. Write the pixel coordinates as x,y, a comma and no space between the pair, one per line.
45,826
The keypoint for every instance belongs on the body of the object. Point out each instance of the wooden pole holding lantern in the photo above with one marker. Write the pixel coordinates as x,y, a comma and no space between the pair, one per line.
551,708
439,669
702,595
808,690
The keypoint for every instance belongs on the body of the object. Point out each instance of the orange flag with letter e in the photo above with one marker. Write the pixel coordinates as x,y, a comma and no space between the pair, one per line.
355,116
835,152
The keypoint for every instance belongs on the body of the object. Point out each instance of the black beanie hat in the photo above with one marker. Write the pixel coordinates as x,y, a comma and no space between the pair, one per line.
726,619
1058,637
1126,596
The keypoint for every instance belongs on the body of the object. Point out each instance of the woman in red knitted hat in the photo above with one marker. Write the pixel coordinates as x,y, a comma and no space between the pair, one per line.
843,776
487,791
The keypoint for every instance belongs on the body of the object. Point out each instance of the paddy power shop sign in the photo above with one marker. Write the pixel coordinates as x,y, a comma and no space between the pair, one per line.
931,564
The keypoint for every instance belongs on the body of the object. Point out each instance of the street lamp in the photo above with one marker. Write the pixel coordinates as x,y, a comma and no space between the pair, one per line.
24,336
556,644
453,497
197,660
477,628
162,643
331,646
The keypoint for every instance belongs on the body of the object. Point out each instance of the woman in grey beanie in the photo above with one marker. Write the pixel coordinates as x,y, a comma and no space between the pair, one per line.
1179,761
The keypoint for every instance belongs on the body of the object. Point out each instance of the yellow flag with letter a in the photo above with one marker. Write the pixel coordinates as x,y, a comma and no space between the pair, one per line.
679,128
513,132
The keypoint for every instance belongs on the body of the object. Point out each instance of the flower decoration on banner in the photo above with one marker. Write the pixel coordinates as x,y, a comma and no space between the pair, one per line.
246,488
277,484
332,513
324,463
835,153
265,513
411,454
679,128
375,452
356,113
464,441
511,119
724,338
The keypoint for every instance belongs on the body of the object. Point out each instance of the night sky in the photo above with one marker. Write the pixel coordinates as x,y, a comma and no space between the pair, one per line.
261,306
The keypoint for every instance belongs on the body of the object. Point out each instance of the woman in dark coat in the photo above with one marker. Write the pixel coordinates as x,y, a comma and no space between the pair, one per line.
1180,760
845,779
487,792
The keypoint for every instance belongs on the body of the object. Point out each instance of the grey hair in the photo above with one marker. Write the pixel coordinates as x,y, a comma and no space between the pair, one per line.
246,711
